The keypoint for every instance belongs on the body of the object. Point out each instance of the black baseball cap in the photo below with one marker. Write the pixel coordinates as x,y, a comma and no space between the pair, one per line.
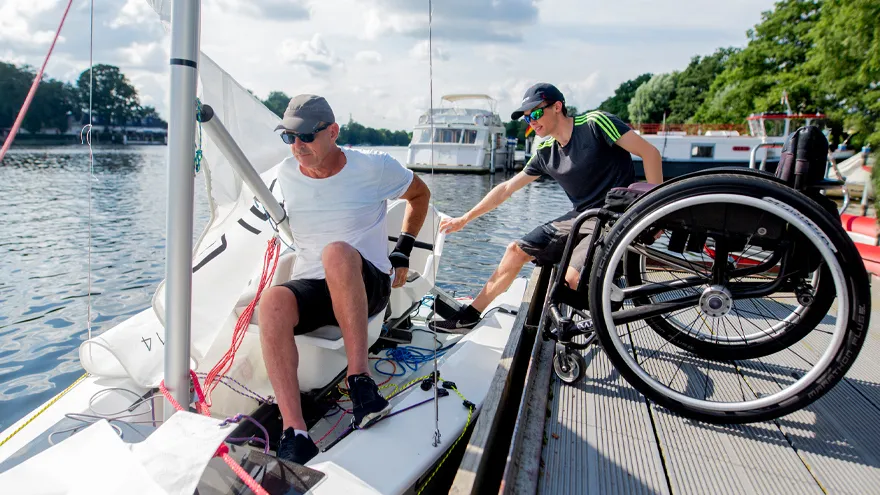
305,113
535,95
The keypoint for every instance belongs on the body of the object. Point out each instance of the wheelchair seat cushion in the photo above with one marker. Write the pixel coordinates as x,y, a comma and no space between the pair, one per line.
618,199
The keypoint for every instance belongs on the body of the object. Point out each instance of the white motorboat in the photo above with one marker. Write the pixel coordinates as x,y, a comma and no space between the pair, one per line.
463,139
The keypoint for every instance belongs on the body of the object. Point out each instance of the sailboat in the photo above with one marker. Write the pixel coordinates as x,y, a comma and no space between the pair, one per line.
118,428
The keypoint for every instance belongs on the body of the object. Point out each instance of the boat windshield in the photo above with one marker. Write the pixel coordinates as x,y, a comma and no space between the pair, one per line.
449,136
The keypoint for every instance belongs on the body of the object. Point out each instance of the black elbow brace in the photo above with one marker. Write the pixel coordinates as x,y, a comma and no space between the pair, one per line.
400,255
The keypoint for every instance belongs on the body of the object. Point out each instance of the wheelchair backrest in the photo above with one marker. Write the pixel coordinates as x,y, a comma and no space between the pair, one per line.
803,158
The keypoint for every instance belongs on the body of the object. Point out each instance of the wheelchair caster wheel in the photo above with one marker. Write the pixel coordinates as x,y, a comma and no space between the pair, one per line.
569,366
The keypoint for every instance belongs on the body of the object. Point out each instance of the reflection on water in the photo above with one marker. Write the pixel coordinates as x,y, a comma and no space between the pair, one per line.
44,232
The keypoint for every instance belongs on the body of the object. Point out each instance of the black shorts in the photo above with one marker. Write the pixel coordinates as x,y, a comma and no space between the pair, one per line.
316,306
547,242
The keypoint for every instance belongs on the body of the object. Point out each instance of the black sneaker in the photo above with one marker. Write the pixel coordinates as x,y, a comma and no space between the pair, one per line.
296,448
368,406
452,325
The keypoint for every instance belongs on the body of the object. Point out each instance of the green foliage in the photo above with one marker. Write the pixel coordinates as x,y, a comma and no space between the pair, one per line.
356,134
618,103
845,56
114,99
754,79
53,102
14,85
693,83
651,99
277,102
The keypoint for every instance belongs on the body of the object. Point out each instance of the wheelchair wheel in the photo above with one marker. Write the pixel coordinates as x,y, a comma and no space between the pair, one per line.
731,303
796,315
570,367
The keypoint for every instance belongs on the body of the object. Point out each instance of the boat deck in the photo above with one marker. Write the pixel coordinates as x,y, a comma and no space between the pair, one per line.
602,436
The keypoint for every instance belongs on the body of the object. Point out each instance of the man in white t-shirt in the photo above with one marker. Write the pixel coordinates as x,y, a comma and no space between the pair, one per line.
336,202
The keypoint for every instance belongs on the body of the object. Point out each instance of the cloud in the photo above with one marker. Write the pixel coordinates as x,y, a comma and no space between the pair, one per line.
487,21
419,51
282,10
368,56
149,56
19,22
313,54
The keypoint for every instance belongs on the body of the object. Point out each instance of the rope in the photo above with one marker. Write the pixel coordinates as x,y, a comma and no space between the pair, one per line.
223,450
198,155
222,367
33,90
470,407
44,408
433,219
88,139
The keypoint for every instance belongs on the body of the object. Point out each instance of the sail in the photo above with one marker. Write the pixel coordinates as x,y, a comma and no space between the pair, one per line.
227,258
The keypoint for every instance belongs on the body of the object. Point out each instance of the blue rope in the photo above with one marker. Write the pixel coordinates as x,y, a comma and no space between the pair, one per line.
408,358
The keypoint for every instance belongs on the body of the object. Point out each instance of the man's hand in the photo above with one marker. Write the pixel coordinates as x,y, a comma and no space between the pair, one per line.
450,225
399,277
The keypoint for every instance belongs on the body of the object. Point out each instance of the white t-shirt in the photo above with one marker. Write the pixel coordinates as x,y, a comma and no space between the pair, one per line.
349,206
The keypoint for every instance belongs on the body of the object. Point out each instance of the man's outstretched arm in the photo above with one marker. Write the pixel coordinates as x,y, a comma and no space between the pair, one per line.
496,196
651,159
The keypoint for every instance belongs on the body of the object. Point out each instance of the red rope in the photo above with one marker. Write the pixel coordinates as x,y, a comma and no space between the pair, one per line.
222,451
222,367
248,480
33,90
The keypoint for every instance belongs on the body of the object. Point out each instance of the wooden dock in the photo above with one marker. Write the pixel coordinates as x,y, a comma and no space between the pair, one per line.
601,436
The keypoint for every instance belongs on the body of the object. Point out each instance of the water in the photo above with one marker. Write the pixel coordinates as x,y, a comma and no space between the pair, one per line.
44,232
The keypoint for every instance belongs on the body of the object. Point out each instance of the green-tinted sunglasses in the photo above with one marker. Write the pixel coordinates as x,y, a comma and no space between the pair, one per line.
535,114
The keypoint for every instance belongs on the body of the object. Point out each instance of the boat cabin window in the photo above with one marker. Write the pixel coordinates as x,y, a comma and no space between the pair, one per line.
470,137
447,135
702,151
425,136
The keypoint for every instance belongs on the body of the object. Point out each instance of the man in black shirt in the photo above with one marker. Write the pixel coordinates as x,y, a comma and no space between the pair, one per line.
587,155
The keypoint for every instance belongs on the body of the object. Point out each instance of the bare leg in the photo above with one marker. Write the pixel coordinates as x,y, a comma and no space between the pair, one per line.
512,262
278,315
343,269
571,277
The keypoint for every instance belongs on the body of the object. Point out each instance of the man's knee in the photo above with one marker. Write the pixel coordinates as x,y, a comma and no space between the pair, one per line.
277,303
516,254
338,253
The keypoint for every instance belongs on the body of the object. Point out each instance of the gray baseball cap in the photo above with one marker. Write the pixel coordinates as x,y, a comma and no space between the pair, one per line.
305,113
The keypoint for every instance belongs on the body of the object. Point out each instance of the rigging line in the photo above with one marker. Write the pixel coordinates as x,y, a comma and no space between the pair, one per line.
30,96
433,219
88,139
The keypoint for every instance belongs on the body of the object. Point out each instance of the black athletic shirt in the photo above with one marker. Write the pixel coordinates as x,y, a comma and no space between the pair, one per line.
590,164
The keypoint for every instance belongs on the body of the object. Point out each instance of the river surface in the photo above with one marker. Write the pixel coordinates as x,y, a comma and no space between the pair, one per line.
53,281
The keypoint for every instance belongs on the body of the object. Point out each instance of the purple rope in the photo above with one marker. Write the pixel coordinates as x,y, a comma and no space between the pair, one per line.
254,395
238,417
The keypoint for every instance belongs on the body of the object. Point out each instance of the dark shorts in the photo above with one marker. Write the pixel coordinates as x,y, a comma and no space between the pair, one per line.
316,306
547,242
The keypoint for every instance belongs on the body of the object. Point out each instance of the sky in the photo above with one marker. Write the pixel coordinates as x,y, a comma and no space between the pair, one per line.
369,58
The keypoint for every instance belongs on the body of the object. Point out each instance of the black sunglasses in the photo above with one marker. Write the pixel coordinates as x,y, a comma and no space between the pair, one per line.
289,137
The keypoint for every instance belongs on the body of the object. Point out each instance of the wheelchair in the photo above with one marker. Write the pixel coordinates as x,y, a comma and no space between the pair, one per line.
728,295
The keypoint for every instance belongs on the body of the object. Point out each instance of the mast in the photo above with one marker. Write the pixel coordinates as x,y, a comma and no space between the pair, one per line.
185,28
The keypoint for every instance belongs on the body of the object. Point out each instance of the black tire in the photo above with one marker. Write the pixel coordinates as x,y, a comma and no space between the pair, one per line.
577,366
854,285
812,315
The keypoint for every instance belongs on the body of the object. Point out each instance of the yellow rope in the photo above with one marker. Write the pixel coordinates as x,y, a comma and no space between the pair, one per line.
460,436
47,406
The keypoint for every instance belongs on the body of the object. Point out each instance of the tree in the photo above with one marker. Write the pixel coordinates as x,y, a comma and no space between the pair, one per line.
772,62
693,83
845,56
14,85
618,103
53,102
277,102
652,99
114,99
